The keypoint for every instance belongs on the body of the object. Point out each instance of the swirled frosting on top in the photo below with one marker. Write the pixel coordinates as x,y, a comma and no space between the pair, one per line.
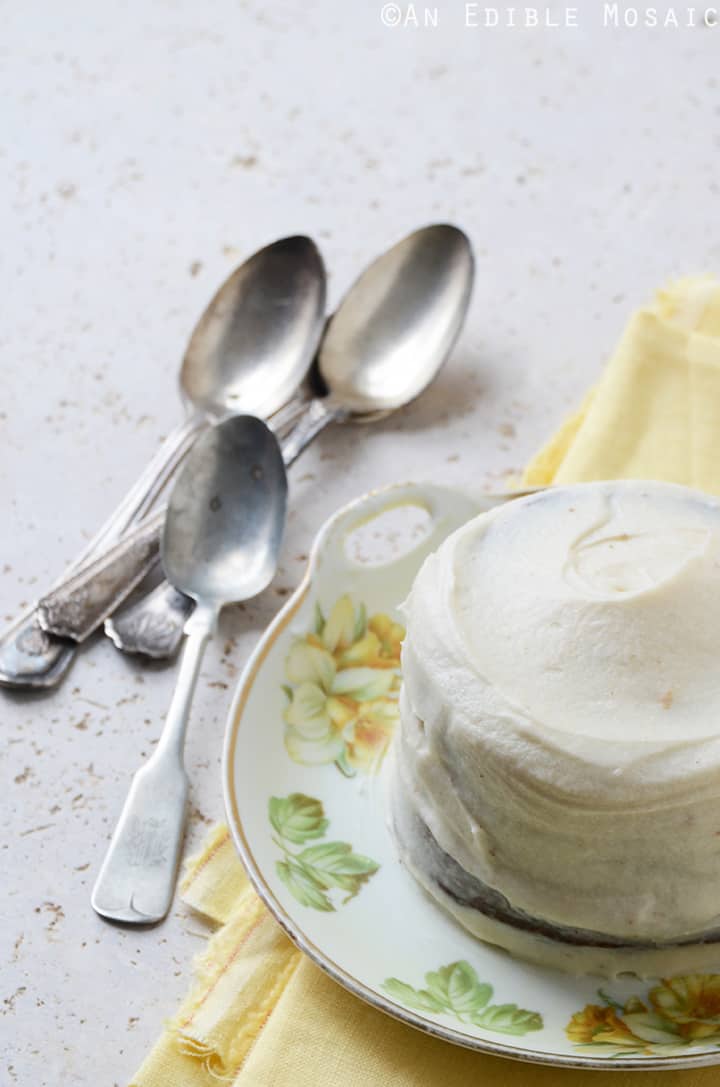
561,706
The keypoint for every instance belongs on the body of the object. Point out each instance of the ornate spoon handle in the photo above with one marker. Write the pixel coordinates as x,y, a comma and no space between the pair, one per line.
29,657
79,606
154,625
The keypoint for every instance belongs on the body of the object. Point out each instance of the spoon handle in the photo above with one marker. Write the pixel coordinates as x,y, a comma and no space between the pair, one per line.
136,882
79,606
29,657
319,413
30,654
154,625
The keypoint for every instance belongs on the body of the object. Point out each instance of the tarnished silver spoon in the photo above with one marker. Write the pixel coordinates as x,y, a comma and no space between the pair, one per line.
385,343
248,353
221,542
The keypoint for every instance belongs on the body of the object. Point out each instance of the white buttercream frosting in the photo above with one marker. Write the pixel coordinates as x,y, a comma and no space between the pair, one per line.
561,706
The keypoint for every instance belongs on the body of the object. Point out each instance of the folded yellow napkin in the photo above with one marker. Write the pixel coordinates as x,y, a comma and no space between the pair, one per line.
655,413
262,1015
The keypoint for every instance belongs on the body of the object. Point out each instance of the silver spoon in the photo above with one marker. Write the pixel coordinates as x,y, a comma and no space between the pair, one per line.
248,352
392,332
221,541
386,342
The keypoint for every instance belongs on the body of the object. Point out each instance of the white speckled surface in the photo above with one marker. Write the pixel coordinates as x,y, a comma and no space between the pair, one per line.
145,148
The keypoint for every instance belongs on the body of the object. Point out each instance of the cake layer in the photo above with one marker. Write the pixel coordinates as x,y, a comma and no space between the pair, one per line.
560,711
489,916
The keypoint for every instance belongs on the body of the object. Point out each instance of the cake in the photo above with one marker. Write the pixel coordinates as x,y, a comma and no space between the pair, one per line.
555,780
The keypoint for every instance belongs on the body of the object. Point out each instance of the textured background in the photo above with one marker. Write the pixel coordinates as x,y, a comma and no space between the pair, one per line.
145,149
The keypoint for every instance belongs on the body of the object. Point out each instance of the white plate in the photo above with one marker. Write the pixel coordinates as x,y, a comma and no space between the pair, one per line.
313,836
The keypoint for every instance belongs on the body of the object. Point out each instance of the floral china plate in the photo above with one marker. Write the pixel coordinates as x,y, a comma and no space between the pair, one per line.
311,724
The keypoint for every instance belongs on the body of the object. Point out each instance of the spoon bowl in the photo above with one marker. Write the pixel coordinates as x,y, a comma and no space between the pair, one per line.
398,322
256,339
225,517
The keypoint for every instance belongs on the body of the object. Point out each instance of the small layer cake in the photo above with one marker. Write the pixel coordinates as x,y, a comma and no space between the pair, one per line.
555,782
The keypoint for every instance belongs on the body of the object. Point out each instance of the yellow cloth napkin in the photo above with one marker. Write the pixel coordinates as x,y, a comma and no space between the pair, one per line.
655,413
262,1015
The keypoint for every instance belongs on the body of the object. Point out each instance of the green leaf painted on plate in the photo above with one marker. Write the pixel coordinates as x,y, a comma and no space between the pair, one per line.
303,886
420,999
360,623
508,1019
456,990
344,766
297,818
319,868
457,986
333,864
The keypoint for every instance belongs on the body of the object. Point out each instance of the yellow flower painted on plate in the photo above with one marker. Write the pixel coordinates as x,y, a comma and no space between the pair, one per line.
369,737
677,1013
598,1023
343,685
691,1002
390,636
